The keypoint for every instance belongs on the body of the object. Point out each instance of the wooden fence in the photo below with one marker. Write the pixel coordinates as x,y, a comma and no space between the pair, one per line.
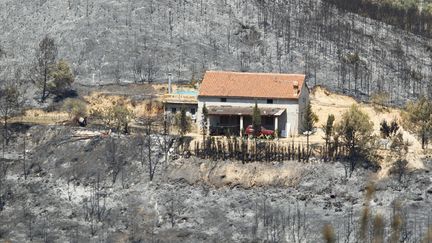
251,150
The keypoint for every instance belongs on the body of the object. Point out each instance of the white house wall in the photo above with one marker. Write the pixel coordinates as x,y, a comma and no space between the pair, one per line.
189,108
290,121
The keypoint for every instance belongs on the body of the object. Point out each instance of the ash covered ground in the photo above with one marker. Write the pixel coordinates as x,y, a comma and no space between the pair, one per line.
69,195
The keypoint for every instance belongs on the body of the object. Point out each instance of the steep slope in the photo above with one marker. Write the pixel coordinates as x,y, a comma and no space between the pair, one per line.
69,196
144,40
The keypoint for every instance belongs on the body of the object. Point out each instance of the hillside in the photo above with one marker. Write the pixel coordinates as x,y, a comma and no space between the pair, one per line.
108,41
69,195
410,15
90,185
323,101
109,166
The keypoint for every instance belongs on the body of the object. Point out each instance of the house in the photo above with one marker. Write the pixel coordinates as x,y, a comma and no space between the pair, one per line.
231,96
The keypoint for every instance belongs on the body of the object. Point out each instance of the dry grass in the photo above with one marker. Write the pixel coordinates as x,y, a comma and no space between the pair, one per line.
39,116
328,234
325,103
100,101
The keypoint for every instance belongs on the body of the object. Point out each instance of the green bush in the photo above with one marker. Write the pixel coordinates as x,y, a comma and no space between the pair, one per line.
75,108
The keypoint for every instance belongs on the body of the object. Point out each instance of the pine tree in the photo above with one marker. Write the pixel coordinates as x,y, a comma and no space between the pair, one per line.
256,120
46,55
309,119
356,129
62,78
183,122
9,105
418,119
328,131
204,124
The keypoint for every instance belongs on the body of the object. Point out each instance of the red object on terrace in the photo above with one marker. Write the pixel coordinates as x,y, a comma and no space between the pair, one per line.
266,132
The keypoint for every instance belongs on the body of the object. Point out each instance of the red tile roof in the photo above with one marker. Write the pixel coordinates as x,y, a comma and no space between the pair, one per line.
251,85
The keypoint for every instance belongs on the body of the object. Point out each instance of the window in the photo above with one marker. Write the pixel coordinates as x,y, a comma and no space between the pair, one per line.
223,100
193,111
270,101
173,110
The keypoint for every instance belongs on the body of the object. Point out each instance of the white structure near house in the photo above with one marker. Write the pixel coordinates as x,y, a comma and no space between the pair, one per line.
231,96
187,100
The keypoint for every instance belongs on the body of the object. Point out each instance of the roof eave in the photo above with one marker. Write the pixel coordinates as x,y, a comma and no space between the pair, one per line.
249,97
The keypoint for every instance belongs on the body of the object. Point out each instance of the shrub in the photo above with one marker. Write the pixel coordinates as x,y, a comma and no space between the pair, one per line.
120,116
328,234
417,118
62,78
355,129
75,108
379,100
183,122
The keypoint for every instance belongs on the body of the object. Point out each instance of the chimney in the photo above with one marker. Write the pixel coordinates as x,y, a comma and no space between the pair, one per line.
169,83
296,88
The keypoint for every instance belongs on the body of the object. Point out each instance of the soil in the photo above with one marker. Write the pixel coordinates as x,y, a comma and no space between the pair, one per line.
190,199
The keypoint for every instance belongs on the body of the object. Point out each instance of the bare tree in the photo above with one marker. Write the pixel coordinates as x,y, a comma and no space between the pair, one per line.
144,142
46,55
24,155
396,222
378,229
29,220
138,68
349,225
95,209
150,64
114,157
3,186
175,207
135,219
9,105
164,139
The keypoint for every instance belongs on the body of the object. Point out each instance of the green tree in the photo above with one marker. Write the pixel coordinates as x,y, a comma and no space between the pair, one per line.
309,119
355,129
328,129
61,78
183,122
256,120
399,151
75,108
120,117
418,119
204,124
46,55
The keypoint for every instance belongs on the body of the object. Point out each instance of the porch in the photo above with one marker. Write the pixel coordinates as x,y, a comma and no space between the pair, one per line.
231,120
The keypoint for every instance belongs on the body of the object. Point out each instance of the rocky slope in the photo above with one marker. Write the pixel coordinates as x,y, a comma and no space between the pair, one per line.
144,40
69,196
